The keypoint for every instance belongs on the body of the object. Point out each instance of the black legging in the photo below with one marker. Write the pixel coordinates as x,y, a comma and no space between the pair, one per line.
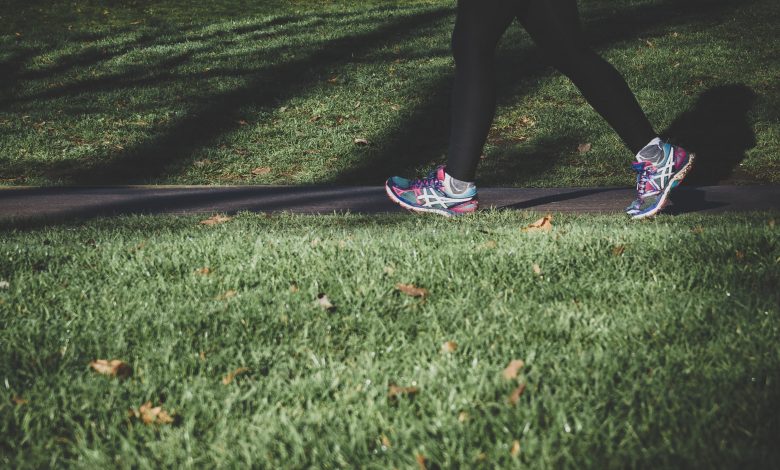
555,28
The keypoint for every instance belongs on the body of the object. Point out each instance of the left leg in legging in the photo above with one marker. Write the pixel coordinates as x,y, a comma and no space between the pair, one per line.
554,26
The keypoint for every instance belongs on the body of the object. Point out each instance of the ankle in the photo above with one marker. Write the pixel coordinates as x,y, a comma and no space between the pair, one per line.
457,187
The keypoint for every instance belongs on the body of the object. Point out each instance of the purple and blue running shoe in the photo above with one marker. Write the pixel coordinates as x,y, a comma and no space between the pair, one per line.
659,168
429,195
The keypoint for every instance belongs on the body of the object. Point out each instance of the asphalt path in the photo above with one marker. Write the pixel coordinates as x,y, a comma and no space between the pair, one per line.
61,203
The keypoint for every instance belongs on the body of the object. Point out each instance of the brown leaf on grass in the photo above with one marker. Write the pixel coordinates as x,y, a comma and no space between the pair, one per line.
618,250
202,355
333,80
463,417
740,255
19,401
420,461
151,415
449,347
412,290
513,368
261,170
697,229
112,368
294,287
514,397
584,148
515,450
315,118
394,391
324,302
385,441
203,271
233,374
227,295
489,245
361,141
544,224
216,219
241,122
537,269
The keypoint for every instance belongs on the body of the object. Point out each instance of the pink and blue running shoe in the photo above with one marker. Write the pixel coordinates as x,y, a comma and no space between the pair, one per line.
659,170
429,195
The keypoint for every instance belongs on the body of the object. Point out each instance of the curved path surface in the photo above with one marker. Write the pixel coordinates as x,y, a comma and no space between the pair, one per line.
86,202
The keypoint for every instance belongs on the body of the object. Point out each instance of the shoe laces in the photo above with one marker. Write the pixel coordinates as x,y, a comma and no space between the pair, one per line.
427,182
644,174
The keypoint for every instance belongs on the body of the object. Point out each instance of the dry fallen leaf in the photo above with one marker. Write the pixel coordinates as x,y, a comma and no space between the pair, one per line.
584,148
463,417
515,450
537,269
241,122
203,271
333,80
216,219
233,374
385,441
697,229
513,368
19,401
394,391
227,295
151,415
489,245
740,255
324,302
449,347
412,290
112,368
420,461
294,288
543,224
618,250
516,394
261,170
361,141
389,270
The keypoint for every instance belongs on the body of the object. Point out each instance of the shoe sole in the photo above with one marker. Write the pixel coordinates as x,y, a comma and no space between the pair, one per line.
418,209
672,184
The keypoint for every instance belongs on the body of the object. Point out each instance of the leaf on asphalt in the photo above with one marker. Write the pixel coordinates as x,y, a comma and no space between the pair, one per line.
544,224
216,219
515,450
203,271
537,269
412,290
584,148
261,170
449,347
420,461
618,250
151,415
324,302
514,397
513,368
394,391
19,401
361,141
112,368
233,374
227,295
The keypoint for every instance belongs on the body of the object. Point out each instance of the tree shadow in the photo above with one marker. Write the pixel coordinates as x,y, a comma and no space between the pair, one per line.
718,131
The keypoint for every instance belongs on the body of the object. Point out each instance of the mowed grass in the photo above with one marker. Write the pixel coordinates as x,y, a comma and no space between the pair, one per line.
649,344
233,92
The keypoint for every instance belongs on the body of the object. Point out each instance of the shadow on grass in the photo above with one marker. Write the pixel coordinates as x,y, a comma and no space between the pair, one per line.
718,130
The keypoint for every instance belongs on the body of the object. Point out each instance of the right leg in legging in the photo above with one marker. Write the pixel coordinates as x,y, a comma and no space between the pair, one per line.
478,27
554,26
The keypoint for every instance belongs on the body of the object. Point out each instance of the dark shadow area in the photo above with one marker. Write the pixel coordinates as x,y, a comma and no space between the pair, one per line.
689,199
567,195
718,131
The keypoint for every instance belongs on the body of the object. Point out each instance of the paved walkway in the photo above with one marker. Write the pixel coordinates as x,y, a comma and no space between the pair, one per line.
66,203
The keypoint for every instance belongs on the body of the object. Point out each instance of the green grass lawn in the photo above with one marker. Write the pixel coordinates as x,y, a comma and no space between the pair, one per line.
229,92
649,344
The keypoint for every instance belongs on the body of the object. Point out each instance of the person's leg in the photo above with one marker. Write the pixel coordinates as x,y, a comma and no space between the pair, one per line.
555,27
478,27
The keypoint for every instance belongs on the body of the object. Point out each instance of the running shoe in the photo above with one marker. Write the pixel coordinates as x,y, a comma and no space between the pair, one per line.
657,177
429,195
